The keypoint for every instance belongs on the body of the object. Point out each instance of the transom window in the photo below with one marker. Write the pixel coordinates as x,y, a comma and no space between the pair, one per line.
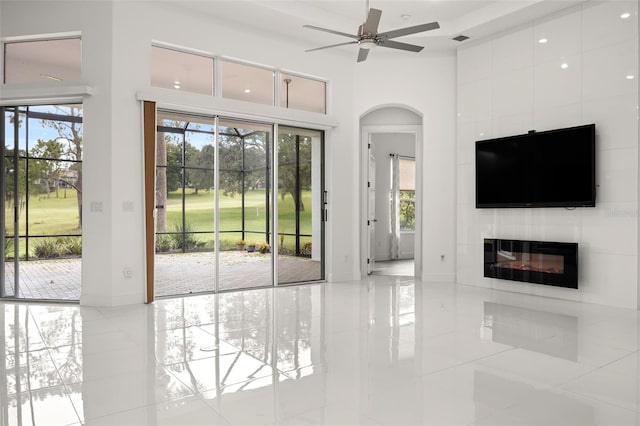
234,79
173,69
303,93
246,82
43,60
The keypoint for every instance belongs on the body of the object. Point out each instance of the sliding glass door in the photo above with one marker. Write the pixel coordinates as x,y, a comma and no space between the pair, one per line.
244,201
216,205
185,215
300,205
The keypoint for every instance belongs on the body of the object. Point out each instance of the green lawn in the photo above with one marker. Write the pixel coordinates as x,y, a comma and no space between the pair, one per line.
199,216
53,216
48,216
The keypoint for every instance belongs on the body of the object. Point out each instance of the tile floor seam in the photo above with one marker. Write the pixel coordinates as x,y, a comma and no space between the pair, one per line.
473,361
221,414
599,368
601,401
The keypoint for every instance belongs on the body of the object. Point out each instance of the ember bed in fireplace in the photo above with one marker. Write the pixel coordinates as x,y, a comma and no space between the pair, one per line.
532,261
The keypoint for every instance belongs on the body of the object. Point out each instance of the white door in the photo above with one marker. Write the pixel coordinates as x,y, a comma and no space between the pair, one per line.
371,210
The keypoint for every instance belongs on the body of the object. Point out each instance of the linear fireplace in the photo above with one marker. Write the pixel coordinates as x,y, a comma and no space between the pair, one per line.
537,262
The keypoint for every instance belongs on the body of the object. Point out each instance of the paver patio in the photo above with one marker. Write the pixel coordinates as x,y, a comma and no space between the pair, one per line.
175,274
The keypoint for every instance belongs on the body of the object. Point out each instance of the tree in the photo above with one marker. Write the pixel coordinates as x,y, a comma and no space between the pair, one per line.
45,166
230,154
9,186
203,176
292,153
169,170
161,183
10,167
70,137
174,165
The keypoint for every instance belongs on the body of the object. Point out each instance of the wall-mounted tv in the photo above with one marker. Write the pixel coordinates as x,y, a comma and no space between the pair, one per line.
553,168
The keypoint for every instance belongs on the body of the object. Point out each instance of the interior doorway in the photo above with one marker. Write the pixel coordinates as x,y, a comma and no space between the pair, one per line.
391,240
392,204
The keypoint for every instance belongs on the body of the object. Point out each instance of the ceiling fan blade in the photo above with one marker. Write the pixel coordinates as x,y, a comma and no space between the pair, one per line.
408,30
373,19
313,27
362,54
333,45
402,46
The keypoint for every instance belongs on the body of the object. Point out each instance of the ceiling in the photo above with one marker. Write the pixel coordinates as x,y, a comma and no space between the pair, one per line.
473,18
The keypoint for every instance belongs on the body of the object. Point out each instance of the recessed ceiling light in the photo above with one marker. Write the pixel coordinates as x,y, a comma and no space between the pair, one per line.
176,82
176,86
405,17
543,41
630,77
247,90
564,66
625,15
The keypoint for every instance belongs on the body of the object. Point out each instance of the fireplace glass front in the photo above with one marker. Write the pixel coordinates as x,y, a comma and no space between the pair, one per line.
539,262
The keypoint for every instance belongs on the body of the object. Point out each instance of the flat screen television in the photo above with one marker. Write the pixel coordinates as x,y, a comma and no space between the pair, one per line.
553,168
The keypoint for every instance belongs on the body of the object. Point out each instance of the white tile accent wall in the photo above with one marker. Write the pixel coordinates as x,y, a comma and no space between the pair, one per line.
513,83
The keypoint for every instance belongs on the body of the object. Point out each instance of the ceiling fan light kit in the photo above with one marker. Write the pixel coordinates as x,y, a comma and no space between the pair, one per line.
368,36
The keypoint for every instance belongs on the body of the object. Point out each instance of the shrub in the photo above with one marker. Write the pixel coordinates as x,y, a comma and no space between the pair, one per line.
164,243
8,248
224,245
70,245
189,241
306,249
47,248
263,247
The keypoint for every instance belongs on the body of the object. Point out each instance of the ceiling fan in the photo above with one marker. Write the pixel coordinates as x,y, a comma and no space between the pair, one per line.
368,36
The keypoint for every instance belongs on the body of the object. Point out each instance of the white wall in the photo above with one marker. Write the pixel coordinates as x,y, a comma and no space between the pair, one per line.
116,62
385,144
512,84
95,22
424,83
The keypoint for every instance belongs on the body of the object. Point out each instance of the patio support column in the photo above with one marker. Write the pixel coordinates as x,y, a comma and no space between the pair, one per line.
242,185
16,205
298,197
2,201
267,188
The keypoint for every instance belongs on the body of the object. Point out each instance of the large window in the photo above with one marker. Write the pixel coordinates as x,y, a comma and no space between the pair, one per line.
42,202
43,60
407,190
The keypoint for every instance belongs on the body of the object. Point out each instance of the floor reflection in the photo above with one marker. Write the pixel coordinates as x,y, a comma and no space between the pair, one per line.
386,350
545,332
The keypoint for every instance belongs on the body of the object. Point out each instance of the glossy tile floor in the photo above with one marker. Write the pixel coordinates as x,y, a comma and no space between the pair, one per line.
382,351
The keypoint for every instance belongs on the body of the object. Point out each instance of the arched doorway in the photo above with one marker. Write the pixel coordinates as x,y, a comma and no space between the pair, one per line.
391,182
